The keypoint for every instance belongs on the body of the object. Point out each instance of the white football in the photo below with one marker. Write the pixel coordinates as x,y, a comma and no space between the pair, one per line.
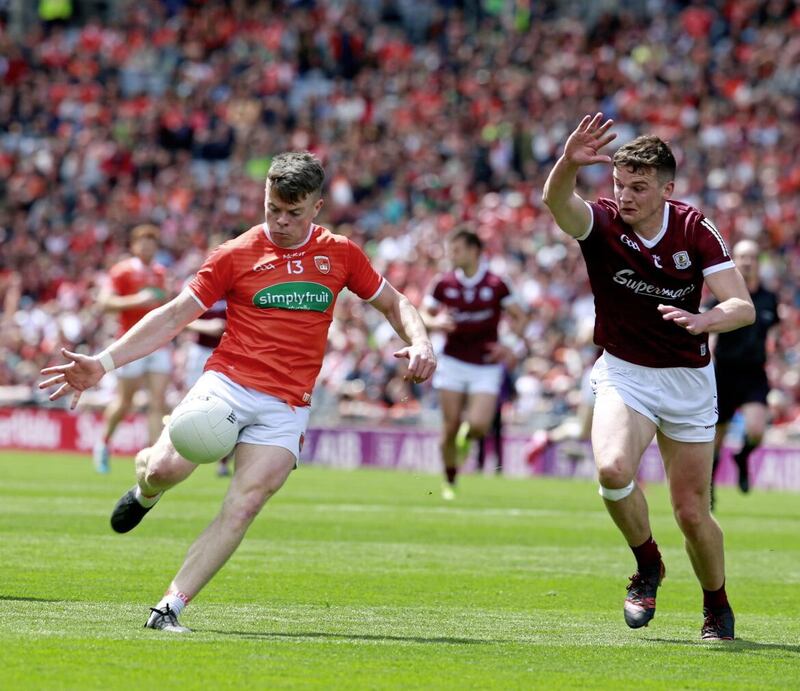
203,429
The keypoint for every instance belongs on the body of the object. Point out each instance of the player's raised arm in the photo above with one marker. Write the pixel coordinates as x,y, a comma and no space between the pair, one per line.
407,323
155,330
582,149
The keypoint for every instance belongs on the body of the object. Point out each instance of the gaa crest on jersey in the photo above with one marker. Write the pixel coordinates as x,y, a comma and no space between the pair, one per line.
682,260
485,293
322,263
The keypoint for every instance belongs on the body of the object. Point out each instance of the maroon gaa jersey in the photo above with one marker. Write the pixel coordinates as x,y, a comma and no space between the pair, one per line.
631,276
475,304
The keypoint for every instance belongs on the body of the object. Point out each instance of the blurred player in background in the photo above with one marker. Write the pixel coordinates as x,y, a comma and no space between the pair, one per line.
495,432
740,359
136,286
281,280
466,304
647,258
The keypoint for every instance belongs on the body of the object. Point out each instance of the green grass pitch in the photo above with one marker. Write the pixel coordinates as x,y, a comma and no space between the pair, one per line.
367,580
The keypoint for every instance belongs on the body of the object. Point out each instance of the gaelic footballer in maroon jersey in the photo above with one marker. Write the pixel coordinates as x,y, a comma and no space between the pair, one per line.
630,275
647,257
475,304
466,304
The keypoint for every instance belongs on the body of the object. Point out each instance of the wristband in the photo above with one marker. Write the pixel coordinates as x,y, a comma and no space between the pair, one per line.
106,361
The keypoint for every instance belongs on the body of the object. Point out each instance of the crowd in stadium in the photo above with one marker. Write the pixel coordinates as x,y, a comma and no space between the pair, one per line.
427,116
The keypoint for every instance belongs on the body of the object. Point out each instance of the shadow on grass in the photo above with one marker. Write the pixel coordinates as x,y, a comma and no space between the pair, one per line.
354,637
19,598
738,646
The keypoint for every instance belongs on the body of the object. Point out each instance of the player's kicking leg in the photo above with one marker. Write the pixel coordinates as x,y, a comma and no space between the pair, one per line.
158,468
260,471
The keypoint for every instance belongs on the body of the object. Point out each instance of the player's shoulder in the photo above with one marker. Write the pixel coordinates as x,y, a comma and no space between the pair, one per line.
605,212
494,279
250,237
124,266
686,215
325,237
445,278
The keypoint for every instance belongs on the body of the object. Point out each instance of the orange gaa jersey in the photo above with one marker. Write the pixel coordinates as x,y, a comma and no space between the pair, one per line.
280,306
130,276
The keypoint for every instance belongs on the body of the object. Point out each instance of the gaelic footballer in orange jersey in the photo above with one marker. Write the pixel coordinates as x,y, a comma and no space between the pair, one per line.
131,276
288,294
280,281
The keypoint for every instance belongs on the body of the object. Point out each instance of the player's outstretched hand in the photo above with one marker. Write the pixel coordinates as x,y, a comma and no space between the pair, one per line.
693,323
589,137
79,374
421,361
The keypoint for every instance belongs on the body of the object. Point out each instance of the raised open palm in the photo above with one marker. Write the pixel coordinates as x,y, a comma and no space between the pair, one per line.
589,137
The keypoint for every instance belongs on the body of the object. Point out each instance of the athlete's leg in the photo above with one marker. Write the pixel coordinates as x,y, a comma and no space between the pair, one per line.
688,467
755,416
452,404
620,436
160,467
260,472
120,406
479,413
157,405
720,431
719,438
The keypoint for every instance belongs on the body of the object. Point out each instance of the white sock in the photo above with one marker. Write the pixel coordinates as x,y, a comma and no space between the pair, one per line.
147,502
176,604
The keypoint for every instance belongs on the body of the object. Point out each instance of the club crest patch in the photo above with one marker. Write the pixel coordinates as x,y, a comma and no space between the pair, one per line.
323,264
682,260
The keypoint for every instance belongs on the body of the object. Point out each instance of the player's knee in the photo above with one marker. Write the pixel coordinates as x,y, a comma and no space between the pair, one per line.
690,515
614,476
160,467
449,432
240,511
616,494
478,430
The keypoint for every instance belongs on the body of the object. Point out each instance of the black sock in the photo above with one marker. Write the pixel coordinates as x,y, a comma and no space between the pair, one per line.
744,454
647,555
715,600
451,473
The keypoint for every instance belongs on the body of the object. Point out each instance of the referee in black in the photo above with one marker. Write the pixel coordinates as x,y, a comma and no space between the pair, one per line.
739,360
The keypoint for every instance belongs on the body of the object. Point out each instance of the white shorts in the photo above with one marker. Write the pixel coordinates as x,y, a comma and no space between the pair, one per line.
263,419
681,401
456,375
158,362
196,358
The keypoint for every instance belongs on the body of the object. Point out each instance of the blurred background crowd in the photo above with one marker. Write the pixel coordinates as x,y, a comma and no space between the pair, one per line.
427,115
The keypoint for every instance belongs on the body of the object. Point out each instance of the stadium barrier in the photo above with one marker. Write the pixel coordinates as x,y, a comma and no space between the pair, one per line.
403,448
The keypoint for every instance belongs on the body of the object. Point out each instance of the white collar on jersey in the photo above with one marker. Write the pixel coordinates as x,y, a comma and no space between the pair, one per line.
649,244
470,281
293,247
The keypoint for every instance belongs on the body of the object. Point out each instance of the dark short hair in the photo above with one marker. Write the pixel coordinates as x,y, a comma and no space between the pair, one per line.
647,152
295,175
145,230
469,237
